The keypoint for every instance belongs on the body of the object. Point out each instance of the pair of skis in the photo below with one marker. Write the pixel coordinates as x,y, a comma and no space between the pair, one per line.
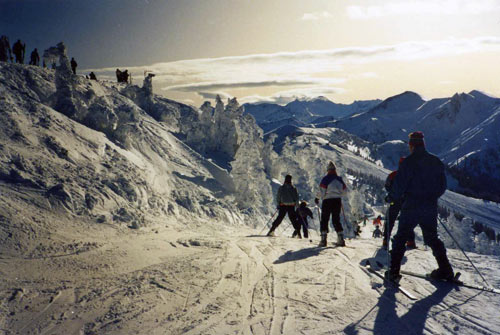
455,281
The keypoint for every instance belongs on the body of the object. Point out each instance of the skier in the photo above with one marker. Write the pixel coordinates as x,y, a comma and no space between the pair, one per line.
331,188
34,58
377,233
394,209
419,183
302,213
92,76
378,221
74,64
287,199
5,51
18,50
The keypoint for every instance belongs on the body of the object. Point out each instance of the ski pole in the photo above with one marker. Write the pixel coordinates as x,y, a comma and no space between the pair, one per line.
268,222
454,240
319,220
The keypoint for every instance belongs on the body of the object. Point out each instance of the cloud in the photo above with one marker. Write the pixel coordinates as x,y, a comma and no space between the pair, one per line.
242,84
423,7
302,70
315,16
213,95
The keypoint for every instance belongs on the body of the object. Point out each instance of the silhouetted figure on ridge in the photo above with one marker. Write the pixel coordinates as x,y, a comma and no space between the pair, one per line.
18,49
74,64
34,58
5,51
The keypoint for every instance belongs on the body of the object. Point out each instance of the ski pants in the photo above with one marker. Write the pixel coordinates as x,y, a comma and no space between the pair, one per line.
305,225
426,218
331,207
283,210
394,210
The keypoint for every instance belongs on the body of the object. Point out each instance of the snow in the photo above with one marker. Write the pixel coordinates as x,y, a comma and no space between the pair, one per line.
146,217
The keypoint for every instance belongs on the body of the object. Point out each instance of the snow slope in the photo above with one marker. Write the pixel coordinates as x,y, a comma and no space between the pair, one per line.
117,218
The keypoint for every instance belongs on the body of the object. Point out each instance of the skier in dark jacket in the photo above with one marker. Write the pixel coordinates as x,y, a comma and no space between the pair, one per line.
331,189
287,199
419,183
18,50
74,64
302,213
393,212
34,58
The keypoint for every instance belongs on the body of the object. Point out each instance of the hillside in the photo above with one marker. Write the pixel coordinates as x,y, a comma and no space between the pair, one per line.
124,212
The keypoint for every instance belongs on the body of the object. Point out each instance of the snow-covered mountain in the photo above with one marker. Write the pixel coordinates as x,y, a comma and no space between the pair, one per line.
303,111
125,212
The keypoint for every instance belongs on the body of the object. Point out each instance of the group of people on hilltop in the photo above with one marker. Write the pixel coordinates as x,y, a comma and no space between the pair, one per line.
413,193
17,53
19,49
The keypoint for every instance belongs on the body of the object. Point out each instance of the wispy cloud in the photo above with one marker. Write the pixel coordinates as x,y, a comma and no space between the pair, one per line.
301,70
423,7
240,84
315,16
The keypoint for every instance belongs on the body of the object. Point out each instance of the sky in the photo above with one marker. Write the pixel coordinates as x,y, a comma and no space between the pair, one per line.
273,50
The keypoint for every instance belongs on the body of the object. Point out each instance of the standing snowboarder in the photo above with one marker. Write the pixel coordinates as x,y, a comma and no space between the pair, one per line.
74,64
393,212
302,213
331,189
287,199
419,183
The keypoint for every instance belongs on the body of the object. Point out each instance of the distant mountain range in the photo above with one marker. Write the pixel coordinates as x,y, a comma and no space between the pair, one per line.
463,130
304,111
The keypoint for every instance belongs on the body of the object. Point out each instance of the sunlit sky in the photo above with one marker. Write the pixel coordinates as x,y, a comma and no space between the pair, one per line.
274,50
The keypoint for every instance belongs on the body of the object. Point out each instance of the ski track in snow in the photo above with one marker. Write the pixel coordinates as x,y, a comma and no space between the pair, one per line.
233,282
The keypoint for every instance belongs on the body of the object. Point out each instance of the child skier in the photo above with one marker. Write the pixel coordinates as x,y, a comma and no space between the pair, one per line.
302,213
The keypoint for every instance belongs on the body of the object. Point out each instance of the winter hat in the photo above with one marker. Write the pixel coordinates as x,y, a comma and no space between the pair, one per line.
288,179
331,166
416,139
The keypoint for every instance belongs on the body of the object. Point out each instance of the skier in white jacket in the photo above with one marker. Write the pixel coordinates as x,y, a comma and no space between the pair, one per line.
331,189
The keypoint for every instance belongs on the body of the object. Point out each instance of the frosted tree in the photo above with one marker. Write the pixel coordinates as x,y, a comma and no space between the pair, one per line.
461,229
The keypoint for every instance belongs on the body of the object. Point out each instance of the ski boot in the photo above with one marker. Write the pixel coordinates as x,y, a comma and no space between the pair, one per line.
340,239
392,277
322,243
445,274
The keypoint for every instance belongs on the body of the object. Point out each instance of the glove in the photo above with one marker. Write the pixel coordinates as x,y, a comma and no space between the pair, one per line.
316,201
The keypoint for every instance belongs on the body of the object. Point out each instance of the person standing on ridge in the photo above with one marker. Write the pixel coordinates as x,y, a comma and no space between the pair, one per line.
393,212
419,183
18,50
5,51
331,189
34,58
74,64
287,199
302,213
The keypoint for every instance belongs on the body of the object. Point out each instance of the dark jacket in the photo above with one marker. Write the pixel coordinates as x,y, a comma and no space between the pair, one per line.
420,180
303,212
287,195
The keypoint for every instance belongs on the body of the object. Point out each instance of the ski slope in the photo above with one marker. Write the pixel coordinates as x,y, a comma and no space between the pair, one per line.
218,279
